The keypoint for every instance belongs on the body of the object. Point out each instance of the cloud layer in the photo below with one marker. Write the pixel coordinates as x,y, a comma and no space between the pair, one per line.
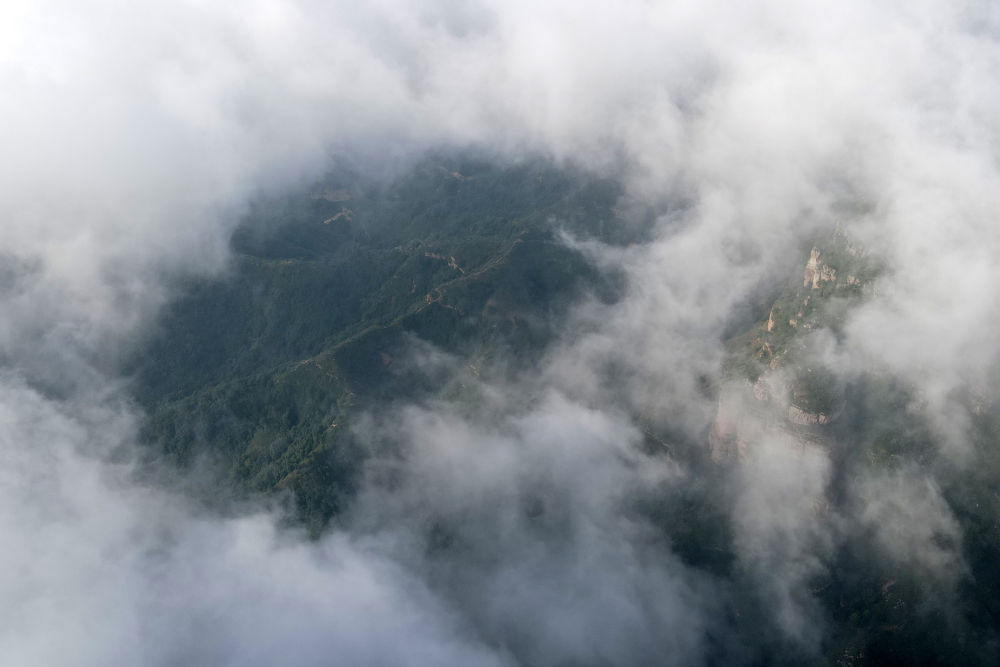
134,138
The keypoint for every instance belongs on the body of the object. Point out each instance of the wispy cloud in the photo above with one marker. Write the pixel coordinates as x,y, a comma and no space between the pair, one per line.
134,137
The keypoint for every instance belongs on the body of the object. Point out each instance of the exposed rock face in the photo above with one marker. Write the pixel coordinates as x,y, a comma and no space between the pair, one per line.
799,416
812,270
772,358
761,390
748,413
816,273
734,426
338,195
452,264
345,213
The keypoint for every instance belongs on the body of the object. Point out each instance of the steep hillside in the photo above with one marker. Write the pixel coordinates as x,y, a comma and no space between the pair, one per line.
774,376
260,372
779,386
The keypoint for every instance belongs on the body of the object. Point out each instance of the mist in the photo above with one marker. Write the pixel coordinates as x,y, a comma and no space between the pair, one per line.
136,139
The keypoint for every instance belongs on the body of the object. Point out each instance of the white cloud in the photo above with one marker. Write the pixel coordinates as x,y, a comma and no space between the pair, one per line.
134,136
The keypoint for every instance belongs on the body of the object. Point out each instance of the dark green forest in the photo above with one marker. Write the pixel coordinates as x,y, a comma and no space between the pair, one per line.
257,374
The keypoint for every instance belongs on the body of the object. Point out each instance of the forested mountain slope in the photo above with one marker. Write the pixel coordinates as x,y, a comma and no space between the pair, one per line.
259,372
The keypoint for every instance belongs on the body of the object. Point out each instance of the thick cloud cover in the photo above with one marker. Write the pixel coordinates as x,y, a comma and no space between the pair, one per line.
135,135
